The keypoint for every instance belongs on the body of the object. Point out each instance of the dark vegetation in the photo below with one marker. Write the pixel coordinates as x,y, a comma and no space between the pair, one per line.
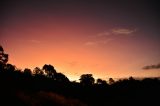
47,87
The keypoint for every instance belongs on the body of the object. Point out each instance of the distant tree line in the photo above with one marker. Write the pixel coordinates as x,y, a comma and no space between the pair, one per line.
47,71
47,87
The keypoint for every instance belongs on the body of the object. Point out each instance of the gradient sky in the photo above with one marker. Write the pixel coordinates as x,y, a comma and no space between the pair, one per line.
107,38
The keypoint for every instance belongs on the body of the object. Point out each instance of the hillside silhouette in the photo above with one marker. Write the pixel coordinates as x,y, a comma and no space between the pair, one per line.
47,87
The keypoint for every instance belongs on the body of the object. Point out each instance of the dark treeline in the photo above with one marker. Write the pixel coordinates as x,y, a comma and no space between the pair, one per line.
47,87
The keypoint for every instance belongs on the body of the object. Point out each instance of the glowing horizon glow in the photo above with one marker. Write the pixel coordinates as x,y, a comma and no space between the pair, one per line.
100,38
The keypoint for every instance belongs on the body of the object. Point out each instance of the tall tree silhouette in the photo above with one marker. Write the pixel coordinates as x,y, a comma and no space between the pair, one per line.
3,56
86,79
49,70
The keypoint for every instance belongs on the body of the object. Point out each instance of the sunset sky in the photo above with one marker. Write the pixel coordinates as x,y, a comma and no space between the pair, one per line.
106,38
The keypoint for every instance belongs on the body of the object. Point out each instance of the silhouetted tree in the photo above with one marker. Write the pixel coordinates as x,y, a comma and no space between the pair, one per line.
1,66
10,68
38,71
61,77
1,53
87,79
27,72
131,78
1,49
111,81
100,81
49,70
3,59
3,56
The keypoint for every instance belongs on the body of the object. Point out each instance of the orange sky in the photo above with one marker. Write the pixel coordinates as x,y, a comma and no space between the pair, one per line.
80,38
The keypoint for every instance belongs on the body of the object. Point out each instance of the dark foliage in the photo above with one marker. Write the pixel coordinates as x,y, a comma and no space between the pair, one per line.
46,87
87,79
